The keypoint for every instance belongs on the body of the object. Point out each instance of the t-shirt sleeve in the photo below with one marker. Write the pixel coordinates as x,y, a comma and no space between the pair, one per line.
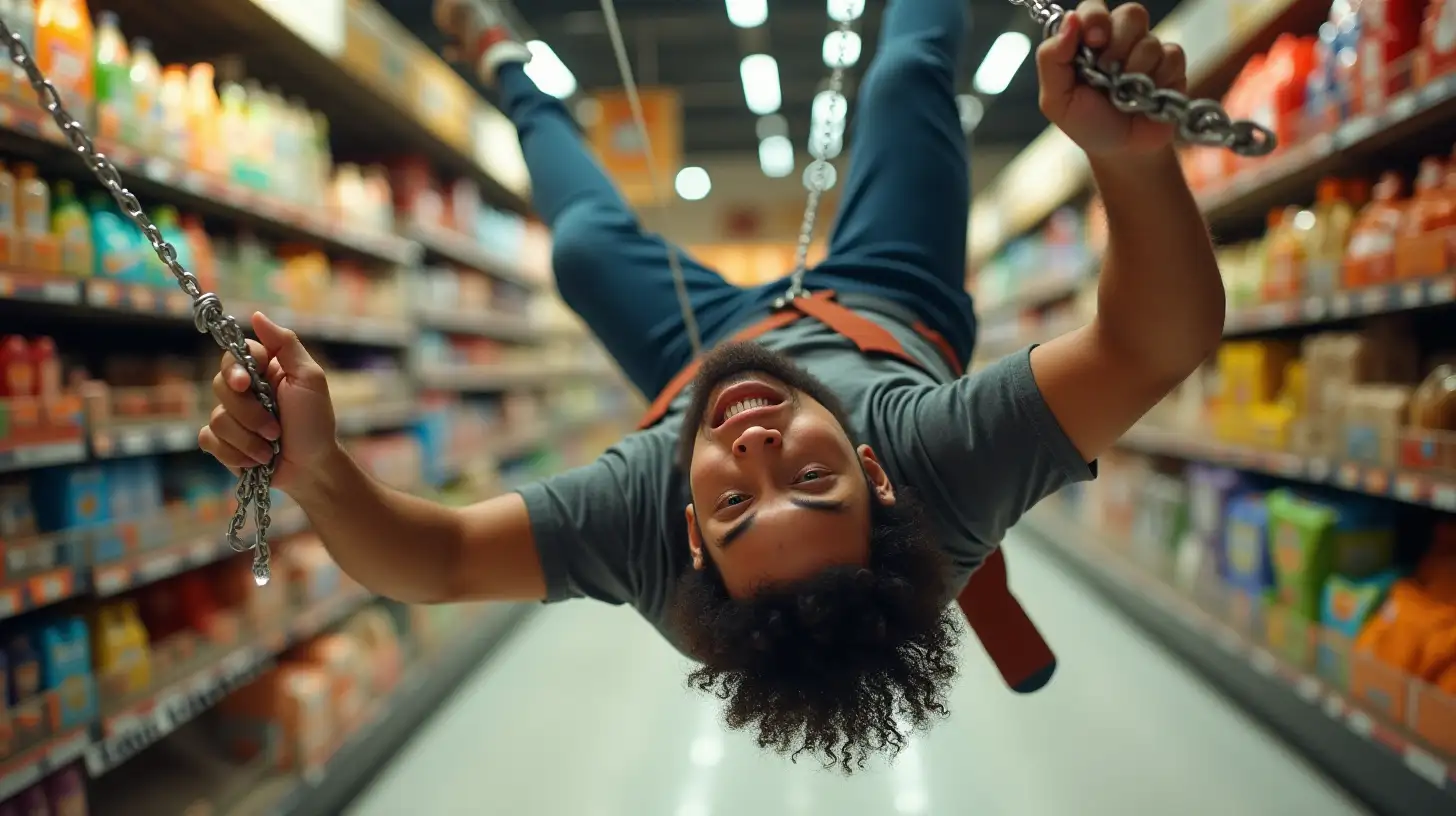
986,448
583,522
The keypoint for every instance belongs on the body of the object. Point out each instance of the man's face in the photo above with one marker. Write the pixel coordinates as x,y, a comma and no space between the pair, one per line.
779,492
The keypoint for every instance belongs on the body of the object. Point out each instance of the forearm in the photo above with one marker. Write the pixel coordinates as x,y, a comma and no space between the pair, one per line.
1160,299
397,545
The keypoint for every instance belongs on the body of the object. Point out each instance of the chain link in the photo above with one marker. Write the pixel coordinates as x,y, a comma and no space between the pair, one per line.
820,175
207,314
1199,121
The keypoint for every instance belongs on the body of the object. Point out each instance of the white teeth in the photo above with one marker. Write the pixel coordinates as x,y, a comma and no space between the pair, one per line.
743,405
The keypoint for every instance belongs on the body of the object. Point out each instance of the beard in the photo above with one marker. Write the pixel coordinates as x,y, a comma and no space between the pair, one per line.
731,363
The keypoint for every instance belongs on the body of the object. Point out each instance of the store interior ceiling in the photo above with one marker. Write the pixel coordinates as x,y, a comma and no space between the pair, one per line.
694,47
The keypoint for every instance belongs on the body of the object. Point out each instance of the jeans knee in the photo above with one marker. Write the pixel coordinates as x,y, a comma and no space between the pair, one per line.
908,67
578,241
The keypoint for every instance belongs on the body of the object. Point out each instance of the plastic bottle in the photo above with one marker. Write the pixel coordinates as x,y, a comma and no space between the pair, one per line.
203,110
1285,262
9,224
203,260
176,138
115,115
72,227
260,139
64,46
33,219
1389,31
170,223
22,23
1370,258
233,131
7,77
45,361
1438,40
115,242
1327,237
145,81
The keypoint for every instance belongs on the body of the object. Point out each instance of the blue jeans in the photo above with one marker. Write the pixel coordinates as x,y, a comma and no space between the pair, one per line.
900,234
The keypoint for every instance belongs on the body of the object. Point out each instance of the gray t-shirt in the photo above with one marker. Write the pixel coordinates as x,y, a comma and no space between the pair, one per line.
979,451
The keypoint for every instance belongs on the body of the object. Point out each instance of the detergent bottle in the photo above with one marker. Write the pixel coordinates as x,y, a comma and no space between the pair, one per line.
116,243
115,114
63,52
144,78
1420,249
1371,255
203,119
72,227
176,137
39,250
1327,237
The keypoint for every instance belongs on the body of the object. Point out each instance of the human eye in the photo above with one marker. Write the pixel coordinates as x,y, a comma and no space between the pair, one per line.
813,473
731,500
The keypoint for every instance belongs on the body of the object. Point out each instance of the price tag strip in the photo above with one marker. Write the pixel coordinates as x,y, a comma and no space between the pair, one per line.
1406,486
1103,557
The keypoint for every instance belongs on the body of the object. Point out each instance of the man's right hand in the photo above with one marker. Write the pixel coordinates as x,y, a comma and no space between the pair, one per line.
240,432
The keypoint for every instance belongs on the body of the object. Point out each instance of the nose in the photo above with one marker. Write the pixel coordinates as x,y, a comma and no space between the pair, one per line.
757,439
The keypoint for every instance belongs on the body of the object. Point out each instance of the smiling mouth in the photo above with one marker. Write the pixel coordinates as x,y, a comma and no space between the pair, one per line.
742,397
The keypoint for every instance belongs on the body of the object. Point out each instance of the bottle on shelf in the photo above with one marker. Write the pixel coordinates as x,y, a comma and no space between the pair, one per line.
1328,236
1420,247
22,23
39,251
9,223
203,109
1371,256
115,114
233,132
1437,54
64,47
1390,30
144,79
1284,264
72,227
116,243
176,137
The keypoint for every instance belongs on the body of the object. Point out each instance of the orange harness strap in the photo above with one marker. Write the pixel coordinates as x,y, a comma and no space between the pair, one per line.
1010,639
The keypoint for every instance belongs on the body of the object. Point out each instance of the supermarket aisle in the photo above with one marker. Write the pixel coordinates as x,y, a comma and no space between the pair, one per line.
584,714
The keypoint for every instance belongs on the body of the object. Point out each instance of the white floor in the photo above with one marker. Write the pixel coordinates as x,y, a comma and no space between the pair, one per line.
585,714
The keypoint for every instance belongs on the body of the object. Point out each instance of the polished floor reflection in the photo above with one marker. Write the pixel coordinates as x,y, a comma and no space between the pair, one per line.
584,714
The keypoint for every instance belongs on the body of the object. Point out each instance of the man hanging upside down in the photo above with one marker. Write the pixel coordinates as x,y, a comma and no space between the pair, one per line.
799,517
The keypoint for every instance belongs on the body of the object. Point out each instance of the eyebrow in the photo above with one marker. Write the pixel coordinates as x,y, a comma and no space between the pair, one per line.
818,505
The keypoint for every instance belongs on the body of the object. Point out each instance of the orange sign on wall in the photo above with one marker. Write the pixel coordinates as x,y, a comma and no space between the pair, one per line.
621,150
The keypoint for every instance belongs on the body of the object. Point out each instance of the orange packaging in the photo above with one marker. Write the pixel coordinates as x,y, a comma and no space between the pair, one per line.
1371,256
1437,55
1420,245
339,658
64,50
294,700
1285,79
1284,257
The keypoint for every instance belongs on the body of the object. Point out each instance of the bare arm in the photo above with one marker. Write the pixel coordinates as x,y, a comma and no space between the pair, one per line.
417,551
1160,299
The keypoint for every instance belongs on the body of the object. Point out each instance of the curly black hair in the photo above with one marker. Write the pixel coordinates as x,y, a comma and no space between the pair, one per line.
841,666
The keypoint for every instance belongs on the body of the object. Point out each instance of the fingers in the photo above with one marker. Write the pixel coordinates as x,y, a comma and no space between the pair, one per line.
1096,22
231,458
284,346
1054,63
1146,57
1172,72
1129,26
230,432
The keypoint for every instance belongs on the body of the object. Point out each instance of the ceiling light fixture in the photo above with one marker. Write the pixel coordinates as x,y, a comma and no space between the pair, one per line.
841,49
693,183
548,71
747,13
1002,62
760,75
776,156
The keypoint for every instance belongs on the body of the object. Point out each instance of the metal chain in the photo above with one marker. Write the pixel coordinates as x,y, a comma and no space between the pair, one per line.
820,175
1200,121
207,314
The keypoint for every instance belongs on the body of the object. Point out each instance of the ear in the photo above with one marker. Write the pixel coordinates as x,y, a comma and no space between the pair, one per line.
695,537
879,479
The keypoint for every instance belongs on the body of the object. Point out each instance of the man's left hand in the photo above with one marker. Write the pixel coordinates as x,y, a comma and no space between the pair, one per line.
1085,113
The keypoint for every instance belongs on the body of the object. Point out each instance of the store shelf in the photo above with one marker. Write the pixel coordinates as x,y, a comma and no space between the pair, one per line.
1428,489
1291,174
425,689
495,325
466,251
1376,761
156,179
1052,170
1318,310
505,376
126,731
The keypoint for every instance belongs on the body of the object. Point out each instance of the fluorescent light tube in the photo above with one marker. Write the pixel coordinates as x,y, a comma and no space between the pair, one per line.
760,74
776,156
748,13
548,71
1002,62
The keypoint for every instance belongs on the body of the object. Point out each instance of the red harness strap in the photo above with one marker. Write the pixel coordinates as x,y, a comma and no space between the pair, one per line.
1009,637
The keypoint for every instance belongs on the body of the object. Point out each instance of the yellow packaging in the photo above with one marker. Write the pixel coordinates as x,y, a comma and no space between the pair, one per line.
123,659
